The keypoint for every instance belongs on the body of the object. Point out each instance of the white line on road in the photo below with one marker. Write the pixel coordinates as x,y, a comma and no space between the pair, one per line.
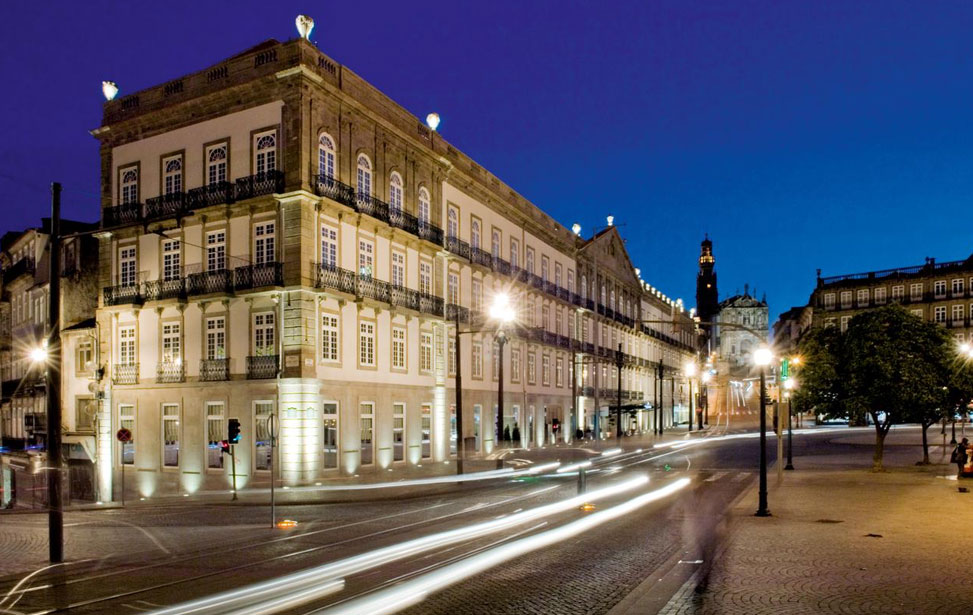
716,477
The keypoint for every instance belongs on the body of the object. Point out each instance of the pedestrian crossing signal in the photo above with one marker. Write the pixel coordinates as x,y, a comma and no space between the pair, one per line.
233,431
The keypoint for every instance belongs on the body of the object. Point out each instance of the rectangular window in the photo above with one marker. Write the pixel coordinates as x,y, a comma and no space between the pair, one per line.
398,348
898,292
425,352
329,337
514,253
862,297
546,317
216,251
529,315
215,434
558,275
171,260
366,258
546,370
126,346
216,157
495,244
476,291
126,420
880,296
477,367
844,323
530,260
262,449
264,343
126,266
916,313
496,361
515,365
86,356
425,426
398,432
425,278
366,344
531,368
216,338
171,343
559,372
545,268
264,244
940,313
571,281
451,363
452,289
558,321
398,269
329,246
330,436
915,291
170,435
939,287
172,175
367,415
957,314
957,286
845,299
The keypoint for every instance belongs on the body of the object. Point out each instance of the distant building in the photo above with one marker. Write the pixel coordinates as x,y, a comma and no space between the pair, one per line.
937,292
789,328
707,298
747,318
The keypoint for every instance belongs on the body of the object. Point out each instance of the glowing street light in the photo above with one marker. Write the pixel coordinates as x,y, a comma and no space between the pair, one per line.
38,355
502,312
762,358
432,121
304,26
109,89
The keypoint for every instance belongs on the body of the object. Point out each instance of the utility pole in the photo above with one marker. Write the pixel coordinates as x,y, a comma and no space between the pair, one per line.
619,362
501,340
55,506
660,403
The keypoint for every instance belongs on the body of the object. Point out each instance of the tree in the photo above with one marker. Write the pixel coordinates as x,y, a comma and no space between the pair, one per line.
822,375
893,372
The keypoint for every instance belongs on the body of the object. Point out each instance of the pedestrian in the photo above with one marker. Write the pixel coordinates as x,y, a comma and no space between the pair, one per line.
959,457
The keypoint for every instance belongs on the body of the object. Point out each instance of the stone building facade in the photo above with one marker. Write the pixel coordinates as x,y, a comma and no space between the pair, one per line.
735,344
283,243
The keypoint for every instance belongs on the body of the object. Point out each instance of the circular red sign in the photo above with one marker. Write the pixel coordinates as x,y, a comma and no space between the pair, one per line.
124,435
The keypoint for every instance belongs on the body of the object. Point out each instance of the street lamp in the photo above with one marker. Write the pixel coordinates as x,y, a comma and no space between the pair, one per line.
762,358
38,355
790,384
502,312
690,370
704,393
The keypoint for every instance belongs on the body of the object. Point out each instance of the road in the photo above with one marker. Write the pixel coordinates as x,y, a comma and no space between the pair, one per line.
588,572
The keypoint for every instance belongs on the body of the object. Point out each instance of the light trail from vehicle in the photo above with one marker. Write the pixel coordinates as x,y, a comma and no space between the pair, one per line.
409,593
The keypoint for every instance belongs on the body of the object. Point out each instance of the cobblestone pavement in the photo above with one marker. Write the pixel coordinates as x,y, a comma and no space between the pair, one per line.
846,541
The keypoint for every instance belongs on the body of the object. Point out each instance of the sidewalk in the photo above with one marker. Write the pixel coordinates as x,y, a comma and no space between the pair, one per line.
845,540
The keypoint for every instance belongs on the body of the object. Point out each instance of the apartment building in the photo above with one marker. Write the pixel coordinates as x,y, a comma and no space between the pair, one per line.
284,245
937,292
24,326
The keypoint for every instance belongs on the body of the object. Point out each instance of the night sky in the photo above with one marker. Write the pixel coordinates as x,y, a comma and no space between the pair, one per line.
832,135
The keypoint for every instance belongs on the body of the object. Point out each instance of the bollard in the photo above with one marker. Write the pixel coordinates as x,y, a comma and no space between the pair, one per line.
582,480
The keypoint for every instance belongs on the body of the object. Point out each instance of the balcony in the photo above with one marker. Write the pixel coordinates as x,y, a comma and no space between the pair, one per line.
258,276
21,267
166,206
368,287
125,374
158,290
262,367
123,294
501,266
458,247
536,282
170,371
374,207
128,213
404,220
216,193
457,313
401,296
327,186
211,370
268,182
588,391
209,282
430,304
481,257
430,232
336,278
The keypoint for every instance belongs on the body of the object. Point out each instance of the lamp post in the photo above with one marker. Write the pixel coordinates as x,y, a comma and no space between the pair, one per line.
459,399
619,362
690,370
503,313
789,384
761,358
704,393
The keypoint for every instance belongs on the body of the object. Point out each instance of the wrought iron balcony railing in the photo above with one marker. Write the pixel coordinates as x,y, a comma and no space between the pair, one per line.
404,220
481,257
170,371
123,294
127,213
327,186
258,276
374,207
157,290
430,232
262,366
213,194
165,206
336,278
268,182
125,373
457,312
501,266
430,304
458,247
404,297
214,369
208,282
371,288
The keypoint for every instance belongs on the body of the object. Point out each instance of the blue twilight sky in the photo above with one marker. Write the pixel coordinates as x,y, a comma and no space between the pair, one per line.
799,135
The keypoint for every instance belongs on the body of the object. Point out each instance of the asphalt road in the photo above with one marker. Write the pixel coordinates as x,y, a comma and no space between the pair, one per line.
185,553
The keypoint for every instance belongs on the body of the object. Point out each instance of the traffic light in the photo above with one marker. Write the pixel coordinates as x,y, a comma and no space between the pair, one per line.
225,447
233,431
555,425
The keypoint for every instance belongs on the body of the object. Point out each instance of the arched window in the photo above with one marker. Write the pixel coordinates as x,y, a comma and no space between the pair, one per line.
364,185
603,302
475,234
326,149
452,223
172,175
495,245
423,213
266,153
216,164
395,193
612,299
584,286
130,186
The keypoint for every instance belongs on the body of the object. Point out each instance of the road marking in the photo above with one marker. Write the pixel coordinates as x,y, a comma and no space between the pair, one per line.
716,477
742,476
